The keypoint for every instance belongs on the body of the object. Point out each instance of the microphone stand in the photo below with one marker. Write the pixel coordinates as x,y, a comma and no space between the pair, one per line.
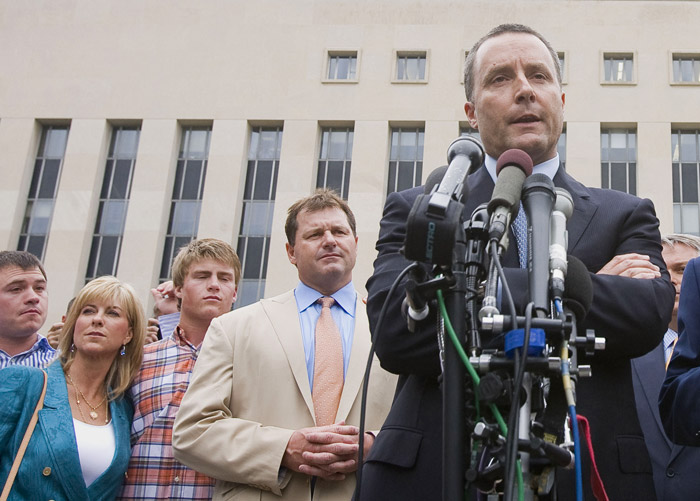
454,428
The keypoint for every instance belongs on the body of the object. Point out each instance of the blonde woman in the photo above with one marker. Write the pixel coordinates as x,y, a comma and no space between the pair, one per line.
80,447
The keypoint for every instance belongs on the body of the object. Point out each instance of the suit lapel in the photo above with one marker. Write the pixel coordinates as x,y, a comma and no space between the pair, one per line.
358,361
649,370
584,207
57,424
284,317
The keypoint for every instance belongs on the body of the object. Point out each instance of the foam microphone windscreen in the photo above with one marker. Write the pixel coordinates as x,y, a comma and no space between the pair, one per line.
434,179
512,168
578,288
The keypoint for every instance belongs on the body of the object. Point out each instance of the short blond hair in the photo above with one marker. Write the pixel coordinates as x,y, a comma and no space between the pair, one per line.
124,367
204,248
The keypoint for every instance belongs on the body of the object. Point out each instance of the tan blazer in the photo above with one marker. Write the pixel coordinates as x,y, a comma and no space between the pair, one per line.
250,391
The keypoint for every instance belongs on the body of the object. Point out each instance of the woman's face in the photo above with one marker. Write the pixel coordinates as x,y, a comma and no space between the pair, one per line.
101,329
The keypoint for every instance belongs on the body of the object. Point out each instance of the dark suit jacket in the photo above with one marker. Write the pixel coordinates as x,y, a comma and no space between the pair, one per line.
679,401
50,468
675,467
405,461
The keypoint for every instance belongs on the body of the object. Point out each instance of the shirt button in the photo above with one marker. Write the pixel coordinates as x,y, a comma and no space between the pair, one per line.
177,478
46,471
670,473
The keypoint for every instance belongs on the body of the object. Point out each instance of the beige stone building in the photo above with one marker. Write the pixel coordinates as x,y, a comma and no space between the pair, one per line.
128,127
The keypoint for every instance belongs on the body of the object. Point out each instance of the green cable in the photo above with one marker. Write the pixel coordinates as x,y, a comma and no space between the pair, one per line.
475,377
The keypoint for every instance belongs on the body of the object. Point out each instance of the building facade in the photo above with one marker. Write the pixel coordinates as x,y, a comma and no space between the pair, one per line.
129,127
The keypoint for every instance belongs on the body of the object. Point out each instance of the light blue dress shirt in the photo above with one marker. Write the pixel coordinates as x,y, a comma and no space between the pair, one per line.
549,167
343,312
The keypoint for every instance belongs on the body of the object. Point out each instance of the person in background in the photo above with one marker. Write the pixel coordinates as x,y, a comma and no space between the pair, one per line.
205,277
23,308
54,334
80,447
675,467
274,404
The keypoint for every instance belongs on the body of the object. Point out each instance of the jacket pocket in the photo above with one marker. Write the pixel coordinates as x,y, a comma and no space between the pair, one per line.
396,446
633,454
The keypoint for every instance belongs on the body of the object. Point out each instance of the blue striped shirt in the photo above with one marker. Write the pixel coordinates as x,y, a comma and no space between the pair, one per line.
39,355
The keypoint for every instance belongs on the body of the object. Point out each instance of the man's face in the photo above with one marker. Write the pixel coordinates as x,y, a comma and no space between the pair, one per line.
517,101
208,291
676,258
23,302
324,250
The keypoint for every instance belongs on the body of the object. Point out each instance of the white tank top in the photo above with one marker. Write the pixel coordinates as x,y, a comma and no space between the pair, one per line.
96,446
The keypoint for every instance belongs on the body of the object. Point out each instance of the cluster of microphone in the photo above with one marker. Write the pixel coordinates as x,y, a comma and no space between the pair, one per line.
435,222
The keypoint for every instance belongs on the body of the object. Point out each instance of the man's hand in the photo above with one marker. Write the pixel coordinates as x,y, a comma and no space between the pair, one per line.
164,296
328,452
632,266
54,334
151,331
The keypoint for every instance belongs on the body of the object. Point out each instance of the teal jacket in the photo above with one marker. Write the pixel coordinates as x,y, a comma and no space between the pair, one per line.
51,467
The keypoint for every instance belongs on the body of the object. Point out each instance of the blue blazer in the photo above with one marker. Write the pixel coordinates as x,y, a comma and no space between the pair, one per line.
679,400
675,467
50,468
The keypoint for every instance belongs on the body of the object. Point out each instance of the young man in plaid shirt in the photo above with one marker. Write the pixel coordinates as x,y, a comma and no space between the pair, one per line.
205,275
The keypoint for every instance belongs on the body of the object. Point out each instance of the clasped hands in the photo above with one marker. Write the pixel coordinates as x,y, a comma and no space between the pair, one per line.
329,452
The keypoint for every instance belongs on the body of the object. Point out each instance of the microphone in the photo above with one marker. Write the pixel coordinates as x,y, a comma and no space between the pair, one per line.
435,215
512,168
579,288
559,240
538,200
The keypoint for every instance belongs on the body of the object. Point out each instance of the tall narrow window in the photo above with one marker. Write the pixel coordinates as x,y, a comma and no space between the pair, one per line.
335,159
42,191
114,200
187,193
686,68
342,65
685,166
258,206
619,160
410,66
561,149
618,68
405,159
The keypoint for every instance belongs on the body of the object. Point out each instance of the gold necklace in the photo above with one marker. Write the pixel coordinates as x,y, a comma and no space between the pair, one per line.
93,411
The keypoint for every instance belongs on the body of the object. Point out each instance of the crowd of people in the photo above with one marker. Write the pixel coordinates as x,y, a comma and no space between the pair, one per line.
202,402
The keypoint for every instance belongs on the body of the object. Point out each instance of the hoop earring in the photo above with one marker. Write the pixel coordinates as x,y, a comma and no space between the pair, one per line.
123,352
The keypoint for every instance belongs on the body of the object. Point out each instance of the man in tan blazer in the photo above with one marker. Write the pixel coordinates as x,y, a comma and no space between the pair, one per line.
248,416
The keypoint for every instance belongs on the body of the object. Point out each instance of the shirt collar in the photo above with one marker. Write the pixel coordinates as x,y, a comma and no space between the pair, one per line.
345,297
549,167
180,338
669,337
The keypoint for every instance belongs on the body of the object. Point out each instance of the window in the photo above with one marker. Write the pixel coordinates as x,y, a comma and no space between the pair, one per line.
342,66
335,159
468,131
618,68
411,67
42,191
561,149
114,200
405,159
619,160
685,166
562,66
686,68
258,206
187,194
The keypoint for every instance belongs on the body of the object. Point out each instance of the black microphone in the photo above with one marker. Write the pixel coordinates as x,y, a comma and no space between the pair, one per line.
538,201
435,215
559,240
512,168
578,295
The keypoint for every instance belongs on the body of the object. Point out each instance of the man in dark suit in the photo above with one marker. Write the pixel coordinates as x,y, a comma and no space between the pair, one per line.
675,467
514,99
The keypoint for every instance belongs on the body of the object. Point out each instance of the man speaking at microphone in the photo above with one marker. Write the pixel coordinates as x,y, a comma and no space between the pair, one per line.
515,101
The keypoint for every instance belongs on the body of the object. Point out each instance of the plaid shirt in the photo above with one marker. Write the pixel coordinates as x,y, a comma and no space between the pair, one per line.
157,393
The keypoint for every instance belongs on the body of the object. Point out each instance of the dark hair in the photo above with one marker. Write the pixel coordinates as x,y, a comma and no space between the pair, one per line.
21,259
323,198
499,30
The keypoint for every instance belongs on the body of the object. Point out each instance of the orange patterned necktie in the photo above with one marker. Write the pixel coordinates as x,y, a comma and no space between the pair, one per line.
328,366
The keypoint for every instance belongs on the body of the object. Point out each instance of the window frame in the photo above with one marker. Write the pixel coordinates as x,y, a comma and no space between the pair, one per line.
684,55
410,53
331,53
612,54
